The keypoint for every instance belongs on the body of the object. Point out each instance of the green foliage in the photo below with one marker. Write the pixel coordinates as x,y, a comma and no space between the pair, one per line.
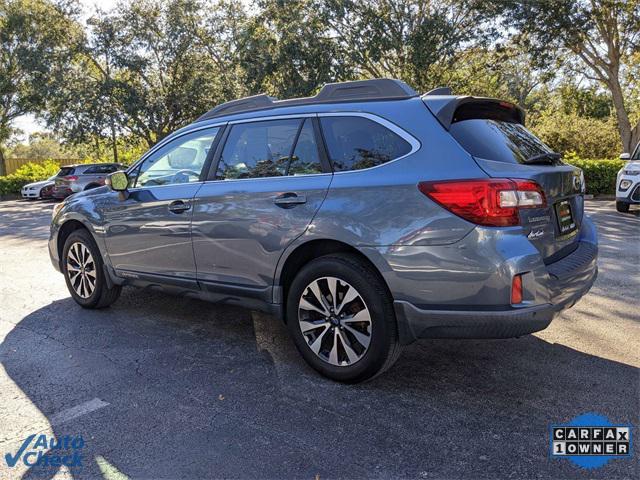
36,38
599,175
287,51
588,137
30,172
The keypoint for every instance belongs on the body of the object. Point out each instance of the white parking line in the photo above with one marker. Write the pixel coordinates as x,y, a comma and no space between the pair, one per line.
77,411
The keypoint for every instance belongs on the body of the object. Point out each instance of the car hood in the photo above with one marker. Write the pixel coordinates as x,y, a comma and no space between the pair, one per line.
42,183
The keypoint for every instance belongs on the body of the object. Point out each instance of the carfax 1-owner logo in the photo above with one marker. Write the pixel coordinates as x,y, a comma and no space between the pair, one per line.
591,441
44,452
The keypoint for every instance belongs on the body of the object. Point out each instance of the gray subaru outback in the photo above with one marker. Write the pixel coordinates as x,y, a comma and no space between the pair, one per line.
365,217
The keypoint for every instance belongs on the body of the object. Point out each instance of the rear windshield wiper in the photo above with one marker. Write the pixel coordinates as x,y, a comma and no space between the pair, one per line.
549,157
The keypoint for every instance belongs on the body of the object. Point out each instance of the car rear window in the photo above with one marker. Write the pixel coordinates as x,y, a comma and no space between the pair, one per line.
64,171
498,140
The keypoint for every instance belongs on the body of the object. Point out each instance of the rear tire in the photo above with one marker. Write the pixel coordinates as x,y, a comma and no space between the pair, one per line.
83,271
622,207
352,337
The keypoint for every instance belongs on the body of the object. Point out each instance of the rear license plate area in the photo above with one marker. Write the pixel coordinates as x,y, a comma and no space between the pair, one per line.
564,215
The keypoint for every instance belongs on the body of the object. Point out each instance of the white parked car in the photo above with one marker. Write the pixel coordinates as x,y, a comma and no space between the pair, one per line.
628,181
42,189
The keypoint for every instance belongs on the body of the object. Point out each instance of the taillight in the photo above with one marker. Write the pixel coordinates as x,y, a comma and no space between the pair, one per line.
492,202
516,290
71,178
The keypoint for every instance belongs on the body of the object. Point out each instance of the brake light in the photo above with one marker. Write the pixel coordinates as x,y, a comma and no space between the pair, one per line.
492,202
516,290
71,178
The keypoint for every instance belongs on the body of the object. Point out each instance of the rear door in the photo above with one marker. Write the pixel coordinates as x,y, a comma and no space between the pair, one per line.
504,148
269,181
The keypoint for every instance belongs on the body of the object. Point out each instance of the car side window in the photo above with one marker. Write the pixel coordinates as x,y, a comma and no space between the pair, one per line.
354,143
258,149
100,169
179,161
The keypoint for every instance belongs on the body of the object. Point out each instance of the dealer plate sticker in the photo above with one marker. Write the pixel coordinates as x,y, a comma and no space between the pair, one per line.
590,441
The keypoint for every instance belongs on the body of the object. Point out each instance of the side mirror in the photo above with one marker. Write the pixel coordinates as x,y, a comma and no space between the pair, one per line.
118,181
625,156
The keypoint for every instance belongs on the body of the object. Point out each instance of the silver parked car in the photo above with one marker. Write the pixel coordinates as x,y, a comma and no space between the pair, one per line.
365,218
76,178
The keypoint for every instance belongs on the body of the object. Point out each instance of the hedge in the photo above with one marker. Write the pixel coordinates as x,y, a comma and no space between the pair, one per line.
30,172
599,175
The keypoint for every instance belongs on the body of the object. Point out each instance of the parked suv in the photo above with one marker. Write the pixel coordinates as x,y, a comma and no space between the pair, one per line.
628,181
365,217
76,178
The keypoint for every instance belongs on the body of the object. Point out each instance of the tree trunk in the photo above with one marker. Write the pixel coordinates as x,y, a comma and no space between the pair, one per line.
635,136
624,125
113,142
3,167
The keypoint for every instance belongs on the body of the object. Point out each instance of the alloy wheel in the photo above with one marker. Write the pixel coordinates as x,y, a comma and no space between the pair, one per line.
335,321
81,270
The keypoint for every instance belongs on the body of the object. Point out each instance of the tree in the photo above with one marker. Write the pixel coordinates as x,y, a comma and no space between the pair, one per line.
286,50
144,71
600,34
37,37
41,146
414,40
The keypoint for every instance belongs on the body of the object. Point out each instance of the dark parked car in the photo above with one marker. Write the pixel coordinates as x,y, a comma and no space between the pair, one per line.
76,178
365,217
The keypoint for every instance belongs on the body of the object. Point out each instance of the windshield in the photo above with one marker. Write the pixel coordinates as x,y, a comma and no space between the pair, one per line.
497,140
636,153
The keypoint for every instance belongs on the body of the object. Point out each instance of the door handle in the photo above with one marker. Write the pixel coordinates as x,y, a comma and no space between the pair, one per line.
178,206
289,200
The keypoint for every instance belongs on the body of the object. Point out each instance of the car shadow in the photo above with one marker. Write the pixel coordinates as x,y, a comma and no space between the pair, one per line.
196,390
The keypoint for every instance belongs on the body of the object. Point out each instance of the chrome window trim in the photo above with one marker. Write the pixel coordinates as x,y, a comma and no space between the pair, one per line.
406,136
287,116
231,180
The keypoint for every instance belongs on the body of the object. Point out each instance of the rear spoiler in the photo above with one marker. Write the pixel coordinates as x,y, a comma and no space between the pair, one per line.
449,109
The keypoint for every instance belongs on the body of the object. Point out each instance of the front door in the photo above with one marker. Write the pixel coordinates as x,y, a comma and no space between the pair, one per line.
270,181
149,231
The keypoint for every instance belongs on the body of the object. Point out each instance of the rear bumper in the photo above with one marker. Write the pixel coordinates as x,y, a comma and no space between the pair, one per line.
419,323
553,287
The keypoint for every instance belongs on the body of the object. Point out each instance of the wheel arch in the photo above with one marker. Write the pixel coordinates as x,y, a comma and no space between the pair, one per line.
65,230
310,250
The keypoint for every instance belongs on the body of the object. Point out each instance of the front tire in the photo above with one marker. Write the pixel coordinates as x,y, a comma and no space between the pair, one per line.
83,271
341,318
622,207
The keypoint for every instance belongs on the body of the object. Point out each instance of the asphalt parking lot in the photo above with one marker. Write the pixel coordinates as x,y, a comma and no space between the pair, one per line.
166,387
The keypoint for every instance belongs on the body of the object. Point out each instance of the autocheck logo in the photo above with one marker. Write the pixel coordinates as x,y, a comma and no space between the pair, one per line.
47,451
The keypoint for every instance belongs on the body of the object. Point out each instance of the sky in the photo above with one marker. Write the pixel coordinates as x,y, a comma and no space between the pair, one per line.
28,123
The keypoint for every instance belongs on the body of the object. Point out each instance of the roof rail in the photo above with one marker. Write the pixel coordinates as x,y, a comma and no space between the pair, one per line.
360,90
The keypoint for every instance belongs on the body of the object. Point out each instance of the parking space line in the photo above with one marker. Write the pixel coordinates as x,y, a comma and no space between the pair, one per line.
77,411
